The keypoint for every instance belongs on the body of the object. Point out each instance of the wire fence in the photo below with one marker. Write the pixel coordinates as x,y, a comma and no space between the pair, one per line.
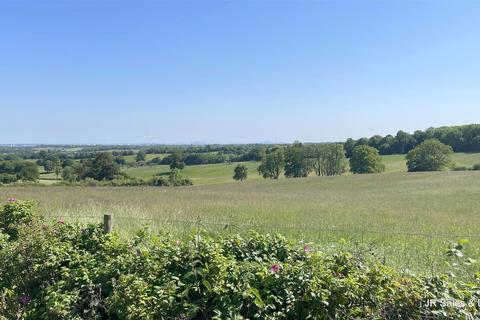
234,226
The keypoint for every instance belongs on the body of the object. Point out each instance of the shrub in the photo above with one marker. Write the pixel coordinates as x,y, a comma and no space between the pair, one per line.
158,182
430,155
14,213
240,173
366,159
69,271
460,168
476,166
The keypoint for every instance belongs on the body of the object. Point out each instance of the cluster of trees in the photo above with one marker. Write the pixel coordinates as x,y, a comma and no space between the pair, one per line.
14,168
102,167
464,138
298,160
191,159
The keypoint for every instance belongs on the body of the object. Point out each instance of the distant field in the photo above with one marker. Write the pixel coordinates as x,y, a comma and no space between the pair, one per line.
222,173
200,174
406,218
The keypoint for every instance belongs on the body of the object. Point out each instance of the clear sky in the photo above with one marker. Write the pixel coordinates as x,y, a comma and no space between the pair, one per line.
234,71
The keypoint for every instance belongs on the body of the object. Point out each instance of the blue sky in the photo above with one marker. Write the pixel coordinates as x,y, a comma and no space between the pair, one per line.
234,71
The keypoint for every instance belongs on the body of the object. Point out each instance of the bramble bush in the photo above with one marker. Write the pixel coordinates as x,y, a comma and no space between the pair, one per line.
70,271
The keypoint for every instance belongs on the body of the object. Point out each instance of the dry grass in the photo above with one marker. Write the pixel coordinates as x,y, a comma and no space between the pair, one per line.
408,218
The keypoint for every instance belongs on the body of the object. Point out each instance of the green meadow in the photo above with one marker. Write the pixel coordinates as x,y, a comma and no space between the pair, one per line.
223,172
406,219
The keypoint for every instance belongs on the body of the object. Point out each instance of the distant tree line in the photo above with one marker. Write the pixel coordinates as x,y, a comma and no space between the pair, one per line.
465,138
299,160
13,168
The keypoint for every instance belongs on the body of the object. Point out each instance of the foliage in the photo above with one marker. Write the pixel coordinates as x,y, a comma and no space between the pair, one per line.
297,162
430,155
175,179
476,166
13,168
328,159
272,164
365,159
141,156
240,173
69,271
15,212
465,138
177,162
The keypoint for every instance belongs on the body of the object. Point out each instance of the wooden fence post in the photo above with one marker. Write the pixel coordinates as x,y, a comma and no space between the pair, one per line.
107,223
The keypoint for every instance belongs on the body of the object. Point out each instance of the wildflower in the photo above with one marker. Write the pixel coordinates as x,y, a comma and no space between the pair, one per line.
177,242
275,267
25,299
61,221
307,249
11,200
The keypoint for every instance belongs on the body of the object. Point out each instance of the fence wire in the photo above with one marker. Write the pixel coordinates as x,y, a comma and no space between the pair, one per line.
253,226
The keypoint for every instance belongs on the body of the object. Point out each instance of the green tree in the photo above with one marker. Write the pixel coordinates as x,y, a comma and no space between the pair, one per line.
430,155
365,159
103,167
141,156
58,171
272,164
328,159
240,173
49,165
297,162
69,174
177,161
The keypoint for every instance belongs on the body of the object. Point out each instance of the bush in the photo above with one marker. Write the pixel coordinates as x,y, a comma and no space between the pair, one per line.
460,168
240,173
69,271
476,166
366,159
430,155
14,213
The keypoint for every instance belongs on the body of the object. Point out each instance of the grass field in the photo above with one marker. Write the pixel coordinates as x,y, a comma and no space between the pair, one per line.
408,218
223,172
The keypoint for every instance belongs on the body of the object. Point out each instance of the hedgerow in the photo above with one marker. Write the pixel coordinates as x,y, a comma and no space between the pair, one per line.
70,271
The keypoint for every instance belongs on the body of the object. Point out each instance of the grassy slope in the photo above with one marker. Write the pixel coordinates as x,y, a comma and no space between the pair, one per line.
201,174
408,217
222,173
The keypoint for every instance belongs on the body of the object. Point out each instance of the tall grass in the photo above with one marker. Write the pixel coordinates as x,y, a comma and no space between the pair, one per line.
407,218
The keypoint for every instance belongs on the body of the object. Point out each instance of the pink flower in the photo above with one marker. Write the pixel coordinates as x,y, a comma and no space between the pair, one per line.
25,299
61,221
275,267
11,200
307,249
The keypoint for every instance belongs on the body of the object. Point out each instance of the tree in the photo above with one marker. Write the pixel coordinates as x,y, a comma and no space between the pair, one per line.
176,179
49,165
141,156
29,172
328,159
272,164
348,146
297,163
58,171
103,167
430,155
177,161
69,174
365,159
240,173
